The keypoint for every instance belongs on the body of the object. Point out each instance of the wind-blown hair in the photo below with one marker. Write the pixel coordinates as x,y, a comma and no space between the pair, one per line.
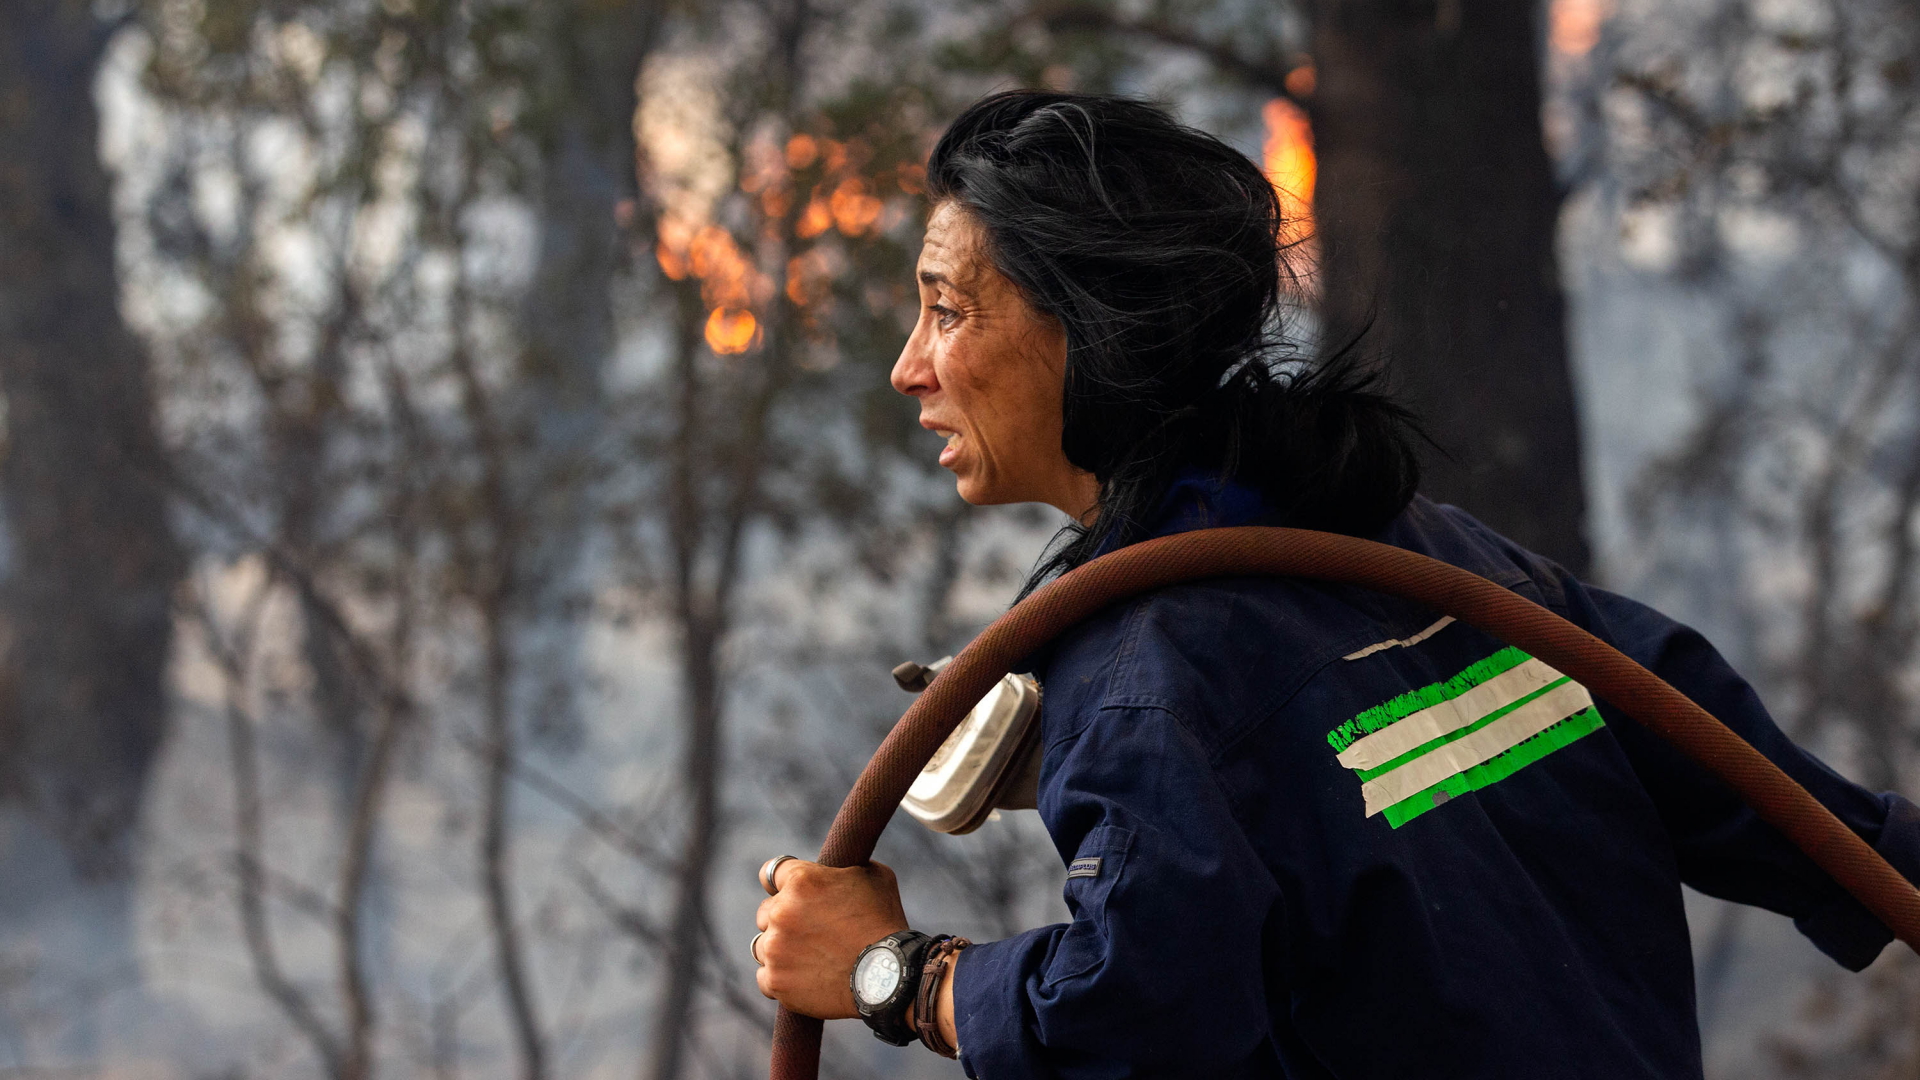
1158,248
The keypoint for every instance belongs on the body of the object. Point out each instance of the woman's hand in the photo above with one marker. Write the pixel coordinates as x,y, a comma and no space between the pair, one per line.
817,922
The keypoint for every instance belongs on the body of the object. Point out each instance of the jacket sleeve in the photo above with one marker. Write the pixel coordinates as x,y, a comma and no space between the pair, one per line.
1723,847
1159,973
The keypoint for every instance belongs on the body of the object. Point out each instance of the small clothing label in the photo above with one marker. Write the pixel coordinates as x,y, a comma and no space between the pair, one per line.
1083,868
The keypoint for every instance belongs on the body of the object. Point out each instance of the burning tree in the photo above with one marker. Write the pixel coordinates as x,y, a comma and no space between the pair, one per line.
453,407
1414,133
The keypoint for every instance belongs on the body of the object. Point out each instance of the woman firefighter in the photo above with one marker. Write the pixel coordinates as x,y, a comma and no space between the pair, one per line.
1310,830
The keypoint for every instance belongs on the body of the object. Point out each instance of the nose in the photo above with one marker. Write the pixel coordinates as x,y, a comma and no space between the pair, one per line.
913,371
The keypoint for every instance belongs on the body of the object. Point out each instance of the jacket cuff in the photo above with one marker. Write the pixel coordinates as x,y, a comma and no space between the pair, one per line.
991,1011
1844,929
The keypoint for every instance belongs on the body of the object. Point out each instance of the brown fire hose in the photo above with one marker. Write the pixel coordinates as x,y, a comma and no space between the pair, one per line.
1449,590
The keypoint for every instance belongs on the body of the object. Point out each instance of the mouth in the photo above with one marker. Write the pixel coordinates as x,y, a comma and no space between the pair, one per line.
951,451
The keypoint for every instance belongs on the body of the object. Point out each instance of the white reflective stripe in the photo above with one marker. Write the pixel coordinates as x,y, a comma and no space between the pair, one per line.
1391,643
1462,754
1452,714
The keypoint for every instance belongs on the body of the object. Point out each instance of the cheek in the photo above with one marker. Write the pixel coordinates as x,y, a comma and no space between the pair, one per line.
1000,384
1007,395
968,384
1026,394
1046,395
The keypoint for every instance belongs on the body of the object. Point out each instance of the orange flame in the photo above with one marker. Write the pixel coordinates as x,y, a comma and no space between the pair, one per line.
1289,159
731,331
836,155
728,278
802,151
815,219
854,211
729,282
1574,25
675,237
1293,168
732,286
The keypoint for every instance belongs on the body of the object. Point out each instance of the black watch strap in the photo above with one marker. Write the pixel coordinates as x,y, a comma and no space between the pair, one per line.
889,1020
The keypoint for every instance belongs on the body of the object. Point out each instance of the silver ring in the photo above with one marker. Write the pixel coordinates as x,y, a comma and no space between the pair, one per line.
754,948
767,870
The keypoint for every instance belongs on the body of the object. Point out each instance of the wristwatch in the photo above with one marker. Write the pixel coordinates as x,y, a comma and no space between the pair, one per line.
884,980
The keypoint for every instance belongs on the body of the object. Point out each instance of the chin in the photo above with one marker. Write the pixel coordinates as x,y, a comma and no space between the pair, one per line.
976,493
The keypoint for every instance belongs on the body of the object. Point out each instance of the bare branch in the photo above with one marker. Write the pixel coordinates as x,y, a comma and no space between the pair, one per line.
234,661
715,975
1821,525
362,829
497,573
584,811
1265,72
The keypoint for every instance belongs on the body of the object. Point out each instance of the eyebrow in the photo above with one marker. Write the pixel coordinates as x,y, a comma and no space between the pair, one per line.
929,277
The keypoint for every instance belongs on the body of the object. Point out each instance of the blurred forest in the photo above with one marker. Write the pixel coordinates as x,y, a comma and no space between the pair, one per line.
456,523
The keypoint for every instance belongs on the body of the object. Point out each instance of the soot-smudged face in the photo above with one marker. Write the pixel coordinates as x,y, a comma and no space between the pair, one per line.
988,370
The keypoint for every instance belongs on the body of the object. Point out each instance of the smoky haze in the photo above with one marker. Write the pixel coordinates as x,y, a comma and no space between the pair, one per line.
456,523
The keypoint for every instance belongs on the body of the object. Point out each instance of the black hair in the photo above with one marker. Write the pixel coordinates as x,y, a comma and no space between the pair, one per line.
1159,248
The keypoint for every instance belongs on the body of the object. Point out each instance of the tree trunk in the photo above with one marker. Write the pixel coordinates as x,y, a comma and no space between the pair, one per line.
90,559
1436,208
700,671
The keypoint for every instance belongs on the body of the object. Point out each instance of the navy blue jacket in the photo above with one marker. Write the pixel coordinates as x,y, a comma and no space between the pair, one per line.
1313,831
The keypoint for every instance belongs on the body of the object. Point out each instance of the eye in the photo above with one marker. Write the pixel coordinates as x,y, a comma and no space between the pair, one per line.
943,314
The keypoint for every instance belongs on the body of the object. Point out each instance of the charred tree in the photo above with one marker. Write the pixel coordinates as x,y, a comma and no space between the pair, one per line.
1436,209
90,558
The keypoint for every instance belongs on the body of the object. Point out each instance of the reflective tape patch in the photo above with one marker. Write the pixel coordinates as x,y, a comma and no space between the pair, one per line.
1084,868
1496,717
1400,643
1441,719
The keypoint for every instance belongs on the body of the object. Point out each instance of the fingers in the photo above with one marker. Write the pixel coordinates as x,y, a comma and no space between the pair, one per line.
783,875
764,914
772,975
792,874
814,927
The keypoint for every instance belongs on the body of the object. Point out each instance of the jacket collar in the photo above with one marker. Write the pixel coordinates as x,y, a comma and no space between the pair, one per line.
1201,499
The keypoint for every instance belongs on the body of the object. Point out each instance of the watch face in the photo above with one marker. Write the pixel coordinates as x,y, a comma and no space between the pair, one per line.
877,977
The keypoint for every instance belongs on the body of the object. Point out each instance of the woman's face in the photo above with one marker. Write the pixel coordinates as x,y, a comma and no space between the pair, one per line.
989,371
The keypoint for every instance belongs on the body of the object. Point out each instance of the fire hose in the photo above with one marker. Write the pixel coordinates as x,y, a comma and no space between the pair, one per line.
1328,557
